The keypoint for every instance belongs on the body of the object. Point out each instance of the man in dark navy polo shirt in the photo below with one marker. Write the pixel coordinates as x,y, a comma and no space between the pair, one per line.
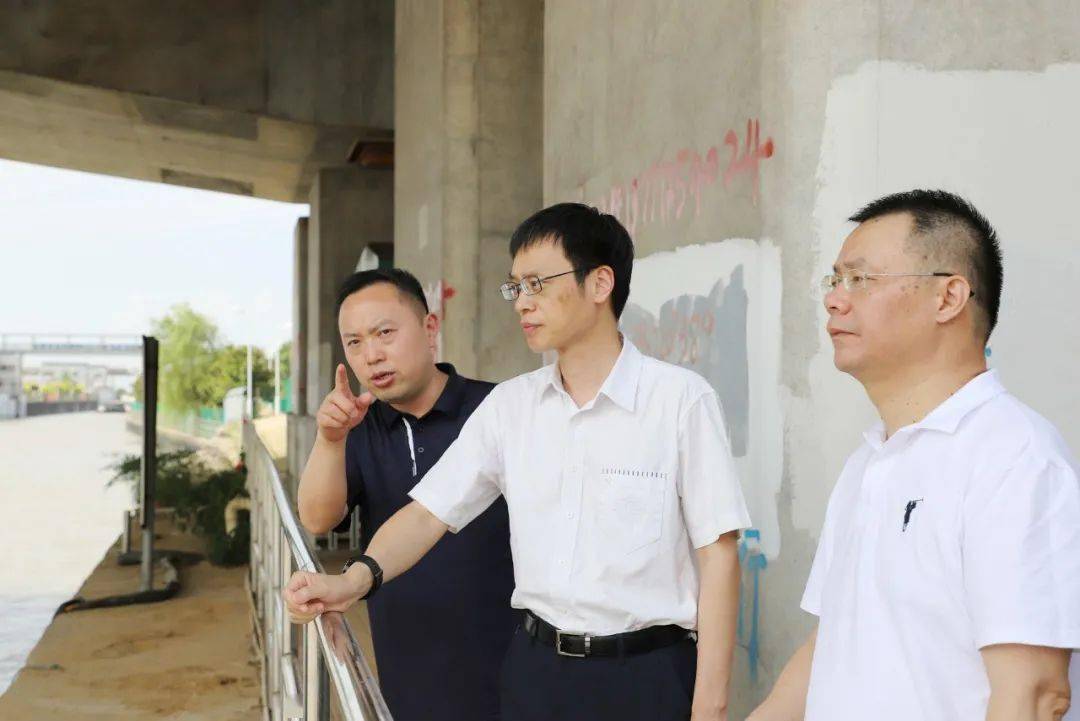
441,632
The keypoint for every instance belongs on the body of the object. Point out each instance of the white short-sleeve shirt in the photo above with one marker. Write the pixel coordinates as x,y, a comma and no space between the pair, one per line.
608,501
958,532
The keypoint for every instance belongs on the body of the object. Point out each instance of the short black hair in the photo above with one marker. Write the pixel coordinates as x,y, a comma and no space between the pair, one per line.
589,239
403,280
947,229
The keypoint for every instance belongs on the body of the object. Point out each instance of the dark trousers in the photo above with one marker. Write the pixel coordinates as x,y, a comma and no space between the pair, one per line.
540,685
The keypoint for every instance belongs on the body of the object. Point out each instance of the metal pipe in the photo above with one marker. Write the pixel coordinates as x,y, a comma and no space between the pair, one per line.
125,544
149,459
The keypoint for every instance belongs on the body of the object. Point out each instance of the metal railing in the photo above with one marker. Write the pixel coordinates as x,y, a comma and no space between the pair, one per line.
300,433
305,668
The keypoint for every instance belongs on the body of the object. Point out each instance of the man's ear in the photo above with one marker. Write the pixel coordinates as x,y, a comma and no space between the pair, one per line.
603,283
953,298
431,328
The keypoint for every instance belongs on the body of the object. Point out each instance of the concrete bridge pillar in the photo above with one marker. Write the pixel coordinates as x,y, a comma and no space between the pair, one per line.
351,208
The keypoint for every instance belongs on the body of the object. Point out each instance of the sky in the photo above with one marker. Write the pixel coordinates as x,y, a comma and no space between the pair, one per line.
85,253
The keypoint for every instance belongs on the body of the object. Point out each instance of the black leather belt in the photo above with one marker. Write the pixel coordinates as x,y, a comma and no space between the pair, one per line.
620,644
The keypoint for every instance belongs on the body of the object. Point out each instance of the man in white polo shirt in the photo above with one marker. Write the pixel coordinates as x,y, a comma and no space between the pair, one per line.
947,576
622,496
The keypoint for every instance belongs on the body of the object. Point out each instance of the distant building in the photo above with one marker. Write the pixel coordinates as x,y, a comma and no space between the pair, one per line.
11,384
87,375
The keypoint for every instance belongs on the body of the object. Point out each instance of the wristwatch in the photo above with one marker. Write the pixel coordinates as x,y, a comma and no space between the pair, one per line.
373,566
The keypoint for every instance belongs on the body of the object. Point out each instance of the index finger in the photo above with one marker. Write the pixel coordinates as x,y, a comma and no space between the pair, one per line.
341,381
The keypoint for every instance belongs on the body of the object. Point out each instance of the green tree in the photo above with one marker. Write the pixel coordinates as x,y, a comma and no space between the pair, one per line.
229,370
189,342
285,359
64,386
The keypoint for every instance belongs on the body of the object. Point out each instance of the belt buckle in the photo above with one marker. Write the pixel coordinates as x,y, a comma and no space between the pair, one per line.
559,649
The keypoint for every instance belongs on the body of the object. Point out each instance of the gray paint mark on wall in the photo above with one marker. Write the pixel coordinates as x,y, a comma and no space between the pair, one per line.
706,334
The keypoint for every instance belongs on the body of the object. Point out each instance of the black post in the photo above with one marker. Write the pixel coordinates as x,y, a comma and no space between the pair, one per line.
149,459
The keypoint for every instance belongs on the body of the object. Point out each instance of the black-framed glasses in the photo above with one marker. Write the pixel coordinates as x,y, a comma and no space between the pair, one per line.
531,284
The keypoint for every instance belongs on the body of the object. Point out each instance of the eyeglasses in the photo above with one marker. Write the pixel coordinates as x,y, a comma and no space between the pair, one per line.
531,284
856,280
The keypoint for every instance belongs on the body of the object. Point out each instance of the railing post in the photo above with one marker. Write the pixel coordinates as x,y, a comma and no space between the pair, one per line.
291,695
316,680
273,625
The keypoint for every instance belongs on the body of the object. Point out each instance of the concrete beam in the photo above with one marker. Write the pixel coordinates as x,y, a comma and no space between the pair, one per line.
65,125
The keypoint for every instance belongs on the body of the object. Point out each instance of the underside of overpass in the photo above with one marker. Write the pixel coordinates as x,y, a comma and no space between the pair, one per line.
249,97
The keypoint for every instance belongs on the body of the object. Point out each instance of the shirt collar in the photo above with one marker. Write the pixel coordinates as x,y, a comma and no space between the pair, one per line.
621,383
448,403
453,395
947,416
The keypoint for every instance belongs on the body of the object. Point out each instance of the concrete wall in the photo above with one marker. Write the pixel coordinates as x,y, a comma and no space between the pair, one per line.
468,164
845,102
419,117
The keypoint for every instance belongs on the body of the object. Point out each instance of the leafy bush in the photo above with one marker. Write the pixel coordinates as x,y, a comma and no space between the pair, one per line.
198,497
208,501
176,472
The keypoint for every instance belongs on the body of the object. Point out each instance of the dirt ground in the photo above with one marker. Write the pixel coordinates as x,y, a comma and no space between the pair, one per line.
189,657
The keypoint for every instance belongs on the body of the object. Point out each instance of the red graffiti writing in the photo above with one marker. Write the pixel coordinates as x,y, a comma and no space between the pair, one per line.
749,160
668,188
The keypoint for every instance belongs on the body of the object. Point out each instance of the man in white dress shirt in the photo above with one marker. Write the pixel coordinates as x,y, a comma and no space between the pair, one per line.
623,499
947,577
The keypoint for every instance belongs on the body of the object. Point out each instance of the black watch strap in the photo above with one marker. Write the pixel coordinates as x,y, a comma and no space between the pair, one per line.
373,566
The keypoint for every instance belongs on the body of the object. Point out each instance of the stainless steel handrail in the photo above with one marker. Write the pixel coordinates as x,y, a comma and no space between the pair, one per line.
295,670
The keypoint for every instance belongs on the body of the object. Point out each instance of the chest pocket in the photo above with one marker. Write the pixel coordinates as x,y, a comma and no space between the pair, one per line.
630,505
